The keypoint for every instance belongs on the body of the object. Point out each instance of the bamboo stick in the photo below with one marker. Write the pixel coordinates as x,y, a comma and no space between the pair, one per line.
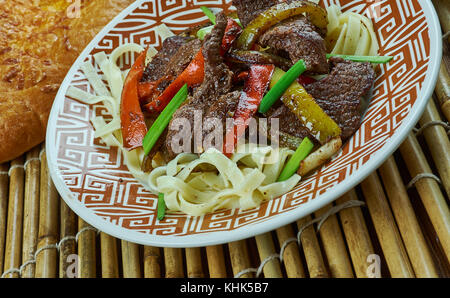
416,247
130,260
291,255
386,229
239,257
68,247
173,260
334,246
429,191
216,261
443,91
266,248
356,235
311,249
109,256
152,262
4,182
86,250
13,247
194,262
46,260
438,143
31,210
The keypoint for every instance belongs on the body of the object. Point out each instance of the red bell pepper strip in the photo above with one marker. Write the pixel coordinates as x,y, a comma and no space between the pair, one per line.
131,117
232,32
192,75
195,71
148,90
242,76
305,80
254,89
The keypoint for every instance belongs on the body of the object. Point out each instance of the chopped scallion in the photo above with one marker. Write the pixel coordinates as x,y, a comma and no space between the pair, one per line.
161,207
281,86
163,119
371,59
204,31
294,162
211,16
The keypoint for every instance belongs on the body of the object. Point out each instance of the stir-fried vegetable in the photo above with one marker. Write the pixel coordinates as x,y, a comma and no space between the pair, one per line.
148,90
309,113
201,34
163,119
278,13
161,211
192,75
131,117
371,59
255,86
294,162
211,16
281,86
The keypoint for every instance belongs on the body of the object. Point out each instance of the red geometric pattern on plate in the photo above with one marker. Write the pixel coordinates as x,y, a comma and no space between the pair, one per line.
98,178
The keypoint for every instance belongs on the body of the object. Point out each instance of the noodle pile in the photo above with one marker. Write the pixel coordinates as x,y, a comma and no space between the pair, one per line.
350,33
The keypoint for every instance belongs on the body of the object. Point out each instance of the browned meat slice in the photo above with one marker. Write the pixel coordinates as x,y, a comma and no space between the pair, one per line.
157,68
169,63
289,123
217,82
299,39
224,107
216,116
183,57
247,10
218,77
180,129
340,93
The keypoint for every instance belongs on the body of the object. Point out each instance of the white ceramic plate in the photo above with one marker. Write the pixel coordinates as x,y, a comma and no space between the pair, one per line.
95,183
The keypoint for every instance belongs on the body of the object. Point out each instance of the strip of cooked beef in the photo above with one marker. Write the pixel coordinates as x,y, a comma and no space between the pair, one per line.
156,69
216,115
217,82
175,55
247,10
298,38
218,77
183,57
341,92
289,123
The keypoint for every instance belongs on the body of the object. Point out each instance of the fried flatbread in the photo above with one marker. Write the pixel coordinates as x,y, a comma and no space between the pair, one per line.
39,41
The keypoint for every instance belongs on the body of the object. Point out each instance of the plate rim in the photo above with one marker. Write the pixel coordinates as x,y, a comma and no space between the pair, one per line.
270,224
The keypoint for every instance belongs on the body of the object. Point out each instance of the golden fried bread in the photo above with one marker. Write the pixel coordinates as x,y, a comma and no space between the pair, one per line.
39,41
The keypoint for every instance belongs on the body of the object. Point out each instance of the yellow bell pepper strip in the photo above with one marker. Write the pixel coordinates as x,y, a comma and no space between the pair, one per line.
131,117
276,14
309,113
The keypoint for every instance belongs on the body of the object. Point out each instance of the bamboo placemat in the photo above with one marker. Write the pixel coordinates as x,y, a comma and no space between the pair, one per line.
396,223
